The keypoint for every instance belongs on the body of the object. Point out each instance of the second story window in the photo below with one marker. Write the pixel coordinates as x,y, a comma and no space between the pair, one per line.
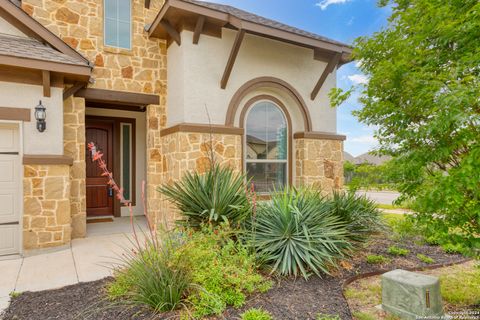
117,23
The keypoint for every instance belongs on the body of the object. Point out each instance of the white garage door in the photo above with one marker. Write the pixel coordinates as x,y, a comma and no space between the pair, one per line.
10,189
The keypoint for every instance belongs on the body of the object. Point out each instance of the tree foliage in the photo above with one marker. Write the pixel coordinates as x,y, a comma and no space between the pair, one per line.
423,95
372,176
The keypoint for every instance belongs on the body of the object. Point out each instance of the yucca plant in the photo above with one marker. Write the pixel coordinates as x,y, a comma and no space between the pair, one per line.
217,196
361,215
296,233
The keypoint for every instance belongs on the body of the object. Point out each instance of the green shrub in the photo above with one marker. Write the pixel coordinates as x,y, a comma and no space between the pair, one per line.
296,232
432,240
256,314
217,196
425,259
322,316
361,214
153,275
121,286
377,259
452,248
223,270
396,251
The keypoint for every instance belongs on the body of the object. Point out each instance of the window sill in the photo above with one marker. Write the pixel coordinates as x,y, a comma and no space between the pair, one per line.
127,52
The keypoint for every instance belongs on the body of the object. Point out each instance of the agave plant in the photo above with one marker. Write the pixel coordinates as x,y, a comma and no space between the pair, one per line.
296,232
361,214
217,196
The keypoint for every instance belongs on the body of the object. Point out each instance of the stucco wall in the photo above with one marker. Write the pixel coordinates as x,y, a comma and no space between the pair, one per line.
16,95
195,81
140,150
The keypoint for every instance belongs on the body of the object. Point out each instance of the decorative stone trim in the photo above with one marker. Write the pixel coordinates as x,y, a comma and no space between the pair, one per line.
202,128
47,159
319,135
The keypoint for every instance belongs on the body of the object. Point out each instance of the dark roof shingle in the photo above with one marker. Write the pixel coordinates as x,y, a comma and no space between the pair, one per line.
248,16
29,48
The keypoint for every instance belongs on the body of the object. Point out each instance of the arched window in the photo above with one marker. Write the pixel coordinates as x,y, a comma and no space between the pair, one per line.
266,146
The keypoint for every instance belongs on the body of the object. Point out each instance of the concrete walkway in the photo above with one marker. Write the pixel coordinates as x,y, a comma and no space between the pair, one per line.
88,259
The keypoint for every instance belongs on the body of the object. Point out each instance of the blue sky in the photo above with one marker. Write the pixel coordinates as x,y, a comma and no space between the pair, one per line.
342,20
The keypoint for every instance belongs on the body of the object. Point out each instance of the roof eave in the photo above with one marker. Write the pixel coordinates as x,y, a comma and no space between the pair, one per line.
37,30
250,27
68,70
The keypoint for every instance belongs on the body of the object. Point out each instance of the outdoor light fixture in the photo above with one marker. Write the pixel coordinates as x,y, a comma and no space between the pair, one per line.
40,115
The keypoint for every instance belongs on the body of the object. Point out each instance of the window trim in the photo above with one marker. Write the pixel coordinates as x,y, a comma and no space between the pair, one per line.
122,124
130,29
243,118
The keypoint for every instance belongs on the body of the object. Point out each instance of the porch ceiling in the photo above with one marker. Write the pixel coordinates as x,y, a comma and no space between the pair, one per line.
109,99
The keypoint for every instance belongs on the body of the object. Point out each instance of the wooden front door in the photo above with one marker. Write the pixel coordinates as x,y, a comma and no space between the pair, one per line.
99,194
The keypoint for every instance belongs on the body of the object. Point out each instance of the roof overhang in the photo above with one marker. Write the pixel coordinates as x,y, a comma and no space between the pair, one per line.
49,70
31,27
181,15
69,71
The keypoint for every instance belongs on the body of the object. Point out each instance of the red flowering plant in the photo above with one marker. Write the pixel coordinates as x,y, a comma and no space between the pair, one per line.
97,156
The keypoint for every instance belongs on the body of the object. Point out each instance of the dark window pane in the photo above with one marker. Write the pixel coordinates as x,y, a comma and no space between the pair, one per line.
126,161
276,133
267,177
257,132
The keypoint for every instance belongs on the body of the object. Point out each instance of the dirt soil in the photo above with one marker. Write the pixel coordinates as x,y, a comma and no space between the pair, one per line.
288,299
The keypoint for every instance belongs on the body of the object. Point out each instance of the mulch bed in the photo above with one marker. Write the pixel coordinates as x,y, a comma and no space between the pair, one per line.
288,299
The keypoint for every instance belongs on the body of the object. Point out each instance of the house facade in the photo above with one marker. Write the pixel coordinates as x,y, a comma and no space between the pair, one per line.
153,84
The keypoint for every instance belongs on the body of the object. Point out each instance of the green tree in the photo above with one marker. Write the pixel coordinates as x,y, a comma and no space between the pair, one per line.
423,94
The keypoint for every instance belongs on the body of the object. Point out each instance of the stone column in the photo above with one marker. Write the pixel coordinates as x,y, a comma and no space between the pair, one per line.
74,147
156,120
319,163
46,206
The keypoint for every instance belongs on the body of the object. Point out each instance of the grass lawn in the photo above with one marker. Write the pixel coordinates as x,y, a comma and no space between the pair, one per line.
460,288
389,206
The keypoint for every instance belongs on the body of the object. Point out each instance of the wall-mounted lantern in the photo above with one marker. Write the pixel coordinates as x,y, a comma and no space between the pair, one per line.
40,116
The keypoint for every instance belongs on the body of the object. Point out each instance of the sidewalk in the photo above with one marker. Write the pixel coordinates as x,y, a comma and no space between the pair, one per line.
88,259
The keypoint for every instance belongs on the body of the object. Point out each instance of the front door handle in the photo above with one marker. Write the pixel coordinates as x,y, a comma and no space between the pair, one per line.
110,192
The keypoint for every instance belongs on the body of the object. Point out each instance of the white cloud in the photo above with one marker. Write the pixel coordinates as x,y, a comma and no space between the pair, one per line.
358,78
364,139
350,22
325,3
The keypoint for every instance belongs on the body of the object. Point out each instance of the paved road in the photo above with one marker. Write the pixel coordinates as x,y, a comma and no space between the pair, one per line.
382,197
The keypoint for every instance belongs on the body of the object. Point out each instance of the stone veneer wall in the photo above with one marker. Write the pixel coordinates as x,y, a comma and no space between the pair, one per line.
143,69
189,151
46,217
80,24
319,163
74,147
